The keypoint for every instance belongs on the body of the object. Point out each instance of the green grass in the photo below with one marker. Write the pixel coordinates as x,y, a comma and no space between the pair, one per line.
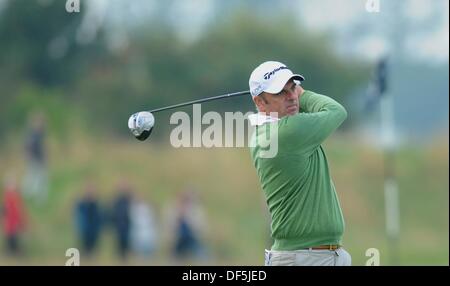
228,187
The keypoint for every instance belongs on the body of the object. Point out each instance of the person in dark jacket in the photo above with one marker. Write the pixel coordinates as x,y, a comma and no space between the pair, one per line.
121,218
88,219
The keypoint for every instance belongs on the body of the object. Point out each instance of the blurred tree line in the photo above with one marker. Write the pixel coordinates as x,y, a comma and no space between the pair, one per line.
44,66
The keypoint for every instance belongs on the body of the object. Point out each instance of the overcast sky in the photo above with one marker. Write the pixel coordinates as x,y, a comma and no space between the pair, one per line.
357,32
343,17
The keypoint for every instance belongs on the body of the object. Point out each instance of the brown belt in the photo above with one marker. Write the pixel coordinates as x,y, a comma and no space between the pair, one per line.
328,247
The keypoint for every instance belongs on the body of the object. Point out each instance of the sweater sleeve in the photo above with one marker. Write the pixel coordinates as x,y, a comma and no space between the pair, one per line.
320,116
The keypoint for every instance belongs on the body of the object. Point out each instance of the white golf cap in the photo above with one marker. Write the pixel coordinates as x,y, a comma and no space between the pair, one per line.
270,77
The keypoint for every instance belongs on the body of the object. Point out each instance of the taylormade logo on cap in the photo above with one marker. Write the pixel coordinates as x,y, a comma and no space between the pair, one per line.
270,76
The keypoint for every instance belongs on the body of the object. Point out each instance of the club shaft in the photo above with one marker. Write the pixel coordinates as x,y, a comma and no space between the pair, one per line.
201,100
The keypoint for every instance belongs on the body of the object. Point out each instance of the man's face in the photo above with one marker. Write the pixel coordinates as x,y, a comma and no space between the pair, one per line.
286,102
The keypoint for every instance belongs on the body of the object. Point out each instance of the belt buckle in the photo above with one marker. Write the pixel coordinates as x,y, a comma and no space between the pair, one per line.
334,247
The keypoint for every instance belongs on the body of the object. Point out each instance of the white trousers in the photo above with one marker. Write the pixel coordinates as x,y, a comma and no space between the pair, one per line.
308,257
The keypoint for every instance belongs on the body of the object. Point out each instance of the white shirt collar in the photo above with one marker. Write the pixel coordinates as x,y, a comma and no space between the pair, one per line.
260,119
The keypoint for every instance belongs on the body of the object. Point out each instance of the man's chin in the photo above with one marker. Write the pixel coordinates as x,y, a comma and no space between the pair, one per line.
292,111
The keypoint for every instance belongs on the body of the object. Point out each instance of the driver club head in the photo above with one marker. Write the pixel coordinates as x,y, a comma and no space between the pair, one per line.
144,135
141,124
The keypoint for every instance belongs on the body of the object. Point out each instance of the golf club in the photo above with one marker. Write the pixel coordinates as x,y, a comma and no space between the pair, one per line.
141,123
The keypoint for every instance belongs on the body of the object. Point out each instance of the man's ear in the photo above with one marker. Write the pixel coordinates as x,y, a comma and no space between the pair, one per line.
260,104
302,90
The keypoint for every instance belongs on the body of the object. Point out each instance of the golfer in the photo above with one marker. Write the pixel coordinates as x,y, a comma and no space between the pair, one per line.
307,221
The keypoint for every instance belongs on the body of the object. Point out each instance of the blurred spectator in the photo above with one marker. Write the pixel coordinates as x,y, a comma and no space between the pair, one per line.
188,226
35,182
143,228
88,219
121,218
13,214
